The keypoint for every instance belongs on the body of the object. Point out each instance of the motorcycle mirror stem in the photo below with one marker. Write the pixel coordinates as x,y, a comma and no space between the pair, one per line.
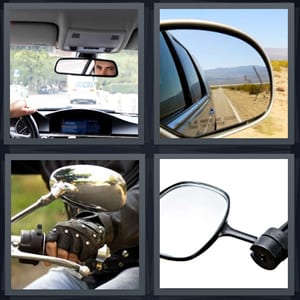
56,191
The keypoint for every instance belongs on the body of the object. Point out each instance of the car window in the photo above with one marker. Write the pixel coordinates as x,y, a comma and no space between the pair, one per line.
171,94
32,76
190,72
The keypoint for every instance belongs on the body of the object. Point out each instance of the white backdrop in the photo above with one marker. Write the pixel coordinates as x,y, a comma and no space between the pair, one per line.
258,191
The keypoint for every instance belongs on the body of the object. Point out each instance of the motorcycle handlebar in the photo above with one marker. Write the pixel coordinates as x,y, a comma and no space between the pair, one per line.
32,258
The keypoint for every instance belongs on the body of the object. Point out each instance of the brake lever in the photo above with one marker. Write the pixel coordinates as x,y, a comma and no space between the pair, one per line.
16,253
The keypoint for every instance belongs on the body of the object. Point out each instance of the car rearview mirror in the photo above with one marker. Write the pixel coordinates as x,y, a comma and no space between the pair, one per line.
86,67
225,77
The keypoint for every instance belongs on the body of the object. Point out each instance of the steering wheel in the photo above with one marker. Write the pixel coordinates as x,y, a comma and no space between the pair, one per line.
25,127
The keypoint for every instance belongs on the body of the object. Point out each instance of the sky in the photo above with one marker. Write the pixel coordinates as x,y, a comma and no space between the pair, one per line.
269,27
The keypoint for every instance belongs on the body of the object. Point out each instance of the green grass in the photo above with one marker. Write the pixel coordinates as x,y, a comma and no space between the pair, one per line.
252,89
25,190
277,65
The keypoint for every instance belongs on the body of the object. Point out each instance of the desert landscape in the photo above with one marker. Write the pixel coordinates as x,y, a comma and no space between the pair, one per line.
275,125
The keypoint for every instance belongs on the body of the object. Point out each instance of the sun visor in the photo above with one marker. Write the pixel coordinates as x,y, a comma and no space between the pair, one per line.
26,33
93,41
133,41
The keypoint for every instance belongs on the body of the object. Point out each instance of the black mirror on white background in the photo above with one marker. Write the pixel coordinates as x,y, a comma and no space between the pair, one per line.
219,218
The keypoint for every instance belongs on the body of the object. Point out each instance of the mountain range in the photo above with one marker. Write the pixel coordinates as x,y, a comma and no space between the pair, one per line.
244,74
277,53
236,75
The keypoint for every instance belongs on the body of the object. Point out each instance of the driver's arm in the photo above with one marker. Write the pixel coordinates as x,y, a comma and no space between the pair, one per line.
19,108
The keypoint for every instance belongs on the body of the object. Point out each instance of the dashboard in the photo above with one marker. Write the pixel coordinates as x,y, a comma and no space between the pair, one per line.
80,123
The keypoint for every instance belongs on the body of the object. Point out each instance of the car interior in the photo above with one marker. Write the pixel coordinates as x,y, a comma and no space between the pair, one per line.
76,34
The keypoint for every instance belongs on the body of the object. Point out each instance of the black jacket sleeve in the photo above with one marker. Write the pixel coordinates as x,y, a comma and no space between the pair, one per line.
122,226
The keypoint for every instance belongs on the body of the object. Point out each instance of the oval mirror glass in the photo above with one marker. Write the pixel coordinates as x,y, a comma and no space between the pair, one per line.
210,81
91,187
191,215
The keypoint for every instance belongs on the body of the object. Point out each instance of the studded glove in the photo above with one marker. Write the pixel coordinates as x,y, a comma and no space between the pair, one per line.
78,236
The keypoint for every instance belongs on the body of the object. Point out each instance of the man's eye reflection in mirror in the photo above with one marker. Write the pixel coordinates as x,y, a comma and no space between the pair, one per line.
104,68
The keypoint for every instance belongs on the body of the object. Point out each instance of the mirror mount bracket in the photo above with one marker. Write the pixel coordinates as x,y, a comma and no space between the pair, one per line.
271,248
87,55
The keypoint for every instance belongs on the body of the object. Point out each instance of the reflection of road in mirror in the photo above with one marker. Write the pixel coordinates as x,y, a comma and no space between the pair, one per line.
236,83
236,104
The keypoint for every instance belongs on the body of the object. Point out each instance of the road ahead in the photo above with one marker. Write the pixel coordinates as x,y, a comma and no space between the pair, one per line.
58,100
226,113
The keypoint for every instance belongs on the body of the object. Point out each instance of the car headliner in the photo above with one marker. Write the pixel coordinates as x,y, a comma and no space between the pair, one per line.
50,26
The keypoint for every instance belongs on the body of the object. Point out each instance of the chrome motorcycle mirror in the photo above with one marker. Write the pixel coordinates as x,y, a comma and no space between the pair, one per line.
196,214
89,187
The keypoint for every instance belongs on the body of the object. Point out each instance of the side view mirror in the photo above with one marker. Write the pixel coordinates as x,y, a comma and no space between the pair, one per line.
214,80
196,213
86,67
89,187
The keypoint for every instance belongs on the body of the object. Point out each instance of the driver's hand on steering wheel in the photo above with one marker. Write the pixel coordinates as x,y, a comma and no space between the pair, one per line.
19,108
76,240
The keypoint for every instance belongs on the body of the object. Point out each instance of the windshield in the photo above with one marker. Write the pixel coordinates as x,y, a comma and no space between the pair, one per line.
32,76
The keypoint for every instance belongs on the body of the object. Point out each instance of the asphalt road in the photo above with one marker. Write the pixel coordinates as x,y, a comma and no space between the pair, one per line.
226,113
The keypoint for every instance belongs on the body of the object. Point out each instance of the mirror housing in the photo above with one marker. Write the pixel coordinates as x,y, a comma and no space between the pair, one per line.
192,215
91,187
86,67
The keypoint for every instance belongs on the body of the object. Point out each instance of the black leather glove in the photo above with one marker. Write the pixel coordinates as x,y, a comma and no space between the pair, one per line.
78,236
